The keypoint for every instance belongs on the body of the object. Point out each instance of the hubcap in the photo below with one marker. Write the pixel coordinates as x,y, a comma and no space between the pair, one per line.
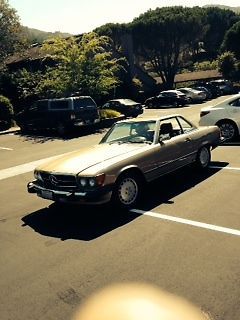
227,130
128,191
204,157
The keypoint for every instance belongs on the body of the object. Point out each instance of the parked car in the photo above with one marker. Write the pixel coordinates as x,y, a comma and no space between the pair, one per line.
132,153
225,86
127,107
215,91
226,115
194,95
167,98
202,88
60,114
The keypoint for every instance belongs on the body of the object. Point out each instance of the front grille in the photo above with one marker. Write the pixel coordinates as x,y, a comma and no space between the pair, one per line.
59,181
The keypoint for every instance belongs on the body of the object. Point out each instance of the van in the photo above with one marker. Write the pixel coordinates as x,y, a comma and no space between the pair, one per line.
59,114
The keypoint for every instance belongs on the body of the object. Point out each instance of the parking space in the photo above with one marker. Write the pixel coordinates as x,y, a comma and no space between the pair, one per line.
207,200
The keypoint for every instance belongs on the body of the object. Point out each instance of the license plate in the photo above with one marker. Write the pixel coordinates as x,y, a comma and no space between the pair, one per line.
46,194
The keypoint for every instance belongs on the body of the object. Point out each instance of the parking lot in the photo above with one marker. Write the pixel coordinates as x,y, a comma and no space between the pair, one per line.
184,237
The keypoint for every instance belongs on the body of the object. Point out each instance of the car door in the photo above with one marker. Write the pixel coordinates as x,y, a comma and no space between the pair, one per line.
173,147
234,110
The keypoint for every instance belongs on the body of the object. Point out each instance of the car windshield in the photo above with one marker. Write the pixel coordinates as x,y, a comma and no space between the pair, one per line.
131,132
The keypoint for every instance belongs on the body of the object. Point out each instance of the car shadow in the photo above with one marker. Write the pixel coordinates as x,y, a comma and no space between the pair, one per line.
234,143
164,189
82,222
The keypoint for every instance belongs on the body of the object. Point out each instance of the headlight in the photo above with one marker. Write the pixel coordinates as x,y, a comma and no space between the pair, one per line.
91,182
37,175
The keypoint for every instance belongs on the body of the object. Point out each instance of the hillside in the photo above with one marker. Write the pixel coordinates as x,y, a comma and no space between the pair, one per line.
235,9
38,36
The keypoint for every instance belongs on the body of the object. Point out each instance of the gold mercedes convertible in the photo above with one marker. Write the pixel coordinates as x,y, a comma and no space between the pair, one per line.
131,154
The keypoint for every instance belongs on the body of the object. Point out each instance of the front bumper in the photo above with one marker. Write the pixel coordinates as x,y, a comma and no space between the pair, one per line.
102,195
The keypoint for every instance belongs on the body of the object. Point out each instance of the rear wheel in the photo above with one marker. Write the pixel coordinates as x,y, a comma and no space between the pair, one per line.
203,157
61,129
228,130
127,191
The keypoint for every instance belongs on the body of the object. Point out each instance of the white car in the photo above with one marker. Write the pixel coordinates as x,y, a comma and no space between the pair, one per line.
226,115
194,95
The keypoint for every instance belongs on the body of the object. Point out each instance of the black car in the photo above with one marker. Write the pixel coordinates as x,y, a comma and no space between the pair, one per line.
127,107
225,86
215,91
167,98
59,114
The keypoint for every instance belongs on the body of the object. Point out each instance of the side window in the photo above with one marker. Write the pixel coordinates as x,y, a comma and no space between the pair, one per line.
169,128
235,103
186,126
58,104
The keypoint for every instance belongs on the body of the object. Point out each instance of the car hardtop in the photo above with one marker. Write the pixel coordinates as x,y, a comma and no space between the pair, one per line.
172,92
84,100
124,101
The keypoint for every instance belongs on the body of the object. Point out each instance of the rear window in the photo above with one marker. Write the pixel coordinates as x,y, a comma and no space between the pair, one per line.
83,102
42,105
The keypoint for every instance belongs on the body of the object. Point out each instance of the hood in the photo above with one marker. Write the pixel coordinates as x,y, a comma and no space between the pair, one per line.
77,161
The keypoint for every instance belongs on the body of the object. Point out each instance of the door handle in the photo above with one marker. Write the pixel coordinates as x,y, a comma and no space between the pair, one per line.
188,139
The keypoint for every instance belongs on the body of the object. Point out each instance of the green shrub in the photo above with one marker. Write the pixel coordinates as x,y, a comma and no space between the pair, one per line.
6,112
206,65
109,114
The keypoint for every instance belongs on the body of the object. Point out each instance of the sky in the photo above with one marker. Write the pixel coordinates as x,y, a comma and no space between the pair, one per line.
78,16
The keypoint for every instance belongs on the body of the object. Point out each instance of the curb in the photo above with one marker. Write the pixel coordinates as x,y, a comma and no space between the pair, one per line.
11,130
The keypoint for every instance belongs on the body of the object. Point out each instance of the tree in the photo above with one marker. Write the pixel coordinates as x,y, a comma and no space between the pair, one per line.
83,65
231,41
6,112
10,30
164,35
115,31
228,66
218,21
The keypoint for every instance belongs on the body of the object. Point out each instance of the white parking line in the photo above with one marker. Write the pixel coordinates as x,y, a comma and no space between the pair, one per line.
9,149
188,222
24,168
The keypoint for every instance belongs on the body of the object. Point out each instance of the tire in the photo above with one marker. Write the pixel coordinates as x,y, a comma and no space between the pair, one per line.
228,130
150,105
61,129
203,158
127,191
175,104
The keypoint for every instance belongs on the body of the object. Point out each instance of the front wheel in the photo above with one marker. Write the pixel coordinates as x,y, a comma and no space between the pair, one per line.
203,158
127,191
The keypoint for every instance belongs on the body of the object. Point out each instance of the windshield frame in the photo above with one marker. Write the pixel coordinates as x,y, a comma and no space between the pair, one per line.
132,136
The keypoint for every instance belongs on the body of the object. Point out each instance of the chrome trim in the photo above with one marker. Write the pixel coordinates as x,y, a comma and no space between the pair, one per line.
66,193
